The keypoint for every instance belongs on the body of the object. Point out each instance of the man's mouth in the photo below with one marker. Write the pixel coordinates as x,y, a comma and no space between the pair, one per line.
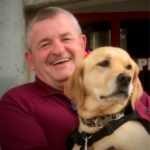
59,61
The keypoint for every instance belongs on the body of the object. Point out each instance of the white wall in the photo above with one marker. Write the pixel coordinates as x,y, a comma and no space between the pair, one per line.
12,27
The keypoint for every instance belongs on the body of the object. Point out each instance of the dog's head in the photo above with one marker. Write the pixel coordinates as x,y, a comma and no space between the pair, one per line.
104,82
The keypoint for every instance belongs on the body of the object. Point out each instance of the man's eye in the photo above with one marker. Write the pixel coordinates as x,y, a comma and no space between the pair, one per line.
44,45
104,63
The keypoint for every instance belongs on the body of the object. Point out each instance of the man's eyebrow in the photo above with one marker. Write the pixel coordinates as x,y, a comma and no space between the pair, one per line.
65,34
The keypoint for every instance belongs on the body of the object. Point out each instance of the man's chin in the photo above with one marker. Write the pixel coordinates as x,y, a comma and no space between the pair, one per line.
64,79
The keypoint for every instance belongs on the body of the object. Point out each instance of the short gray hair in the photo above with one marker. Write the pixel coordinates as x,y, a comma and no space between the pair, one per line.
46,13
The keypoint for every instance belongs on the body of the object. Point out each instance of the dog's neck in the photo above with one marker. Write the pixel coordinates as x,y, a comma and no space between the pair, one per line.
100,121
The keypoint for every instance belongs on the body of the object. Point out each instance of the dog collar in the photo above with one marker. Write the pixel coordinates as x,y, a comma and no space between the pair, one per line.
101,121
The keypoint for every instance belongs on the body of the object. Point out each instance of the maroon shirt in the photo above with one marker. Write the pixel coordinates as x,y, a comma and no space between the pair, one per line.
143,106
35,116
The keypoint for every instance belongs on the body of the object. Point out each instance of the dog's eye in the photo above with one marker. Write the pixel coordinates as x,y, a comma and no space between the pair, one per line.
104,63
129,67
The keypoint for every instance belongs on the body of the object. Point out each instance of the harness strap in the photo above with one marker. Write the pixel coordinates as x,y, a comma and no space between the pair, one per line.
112,126
78,138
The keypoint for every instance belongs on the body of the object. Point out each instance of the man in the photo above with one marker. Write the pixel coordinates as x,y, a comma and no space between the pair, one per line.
37,116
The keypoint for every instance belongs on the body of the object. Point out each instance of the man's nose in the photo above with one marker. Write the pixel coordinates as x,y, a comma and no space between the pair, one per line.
58,47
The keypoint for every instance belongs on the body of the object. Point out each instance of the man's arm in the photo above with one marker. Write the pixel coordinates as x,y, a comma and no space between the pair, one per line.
18,129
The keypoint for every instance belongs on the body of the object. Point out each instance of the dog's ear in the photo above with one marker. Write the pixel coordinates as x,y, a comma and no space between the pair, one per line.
137,87
74,87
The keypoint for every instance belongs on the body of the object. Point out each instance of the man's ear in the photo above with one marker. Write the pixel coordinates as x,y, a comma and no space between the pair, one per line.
84,41
74,87
28,57
137,87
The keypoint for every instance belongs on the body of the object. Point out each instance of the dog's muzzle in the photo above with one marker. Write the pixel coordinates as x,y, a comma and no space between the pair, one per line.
123,81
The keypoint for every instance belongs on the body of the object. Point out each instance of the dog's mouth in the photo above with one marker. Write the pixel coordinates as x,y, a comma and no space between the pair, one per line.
116,94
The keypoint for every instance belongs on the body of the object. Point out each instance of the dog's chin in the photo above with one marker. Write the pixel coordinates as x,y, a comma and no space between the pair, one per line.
117,94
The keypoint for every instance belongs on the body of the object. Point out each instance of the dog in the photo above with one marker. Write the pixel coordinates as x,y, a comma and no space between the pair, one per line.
103,86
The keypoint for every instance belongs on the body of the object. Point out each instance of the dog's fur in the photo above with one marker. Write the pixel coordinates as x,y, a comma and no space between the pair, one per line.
103,84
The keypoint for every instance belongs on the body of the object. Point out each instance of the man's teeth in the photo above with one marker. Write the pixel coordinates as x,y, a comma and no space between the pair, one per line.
60,61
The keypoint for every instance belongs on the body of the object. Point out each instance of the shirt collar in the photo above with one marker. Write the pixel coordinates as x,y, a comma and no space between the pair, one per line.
45,89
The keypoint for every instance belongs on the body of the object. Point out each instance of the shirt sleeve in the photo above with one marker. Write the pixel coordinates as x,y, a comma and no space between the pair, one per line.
18,129
143,106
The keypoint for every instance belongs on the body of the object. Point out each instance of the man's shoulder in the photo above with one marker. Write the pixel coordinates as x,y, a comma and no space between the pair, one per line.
20,90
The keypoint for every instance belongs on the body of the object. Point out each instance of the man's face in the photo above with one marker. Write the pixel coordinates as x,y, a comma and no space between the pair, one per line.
56,47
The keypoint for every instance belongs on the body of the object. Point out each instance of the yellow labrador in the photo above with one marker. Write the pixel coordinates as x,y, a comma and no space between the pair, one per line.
102,86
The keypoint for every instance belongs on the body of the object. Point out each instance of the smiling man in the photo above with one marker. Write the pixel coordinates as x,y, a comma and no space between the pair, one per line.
38,115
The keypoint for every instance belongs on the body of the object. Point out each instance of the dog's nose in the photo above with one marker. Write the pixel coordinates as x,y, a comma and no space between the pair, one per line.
123,78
